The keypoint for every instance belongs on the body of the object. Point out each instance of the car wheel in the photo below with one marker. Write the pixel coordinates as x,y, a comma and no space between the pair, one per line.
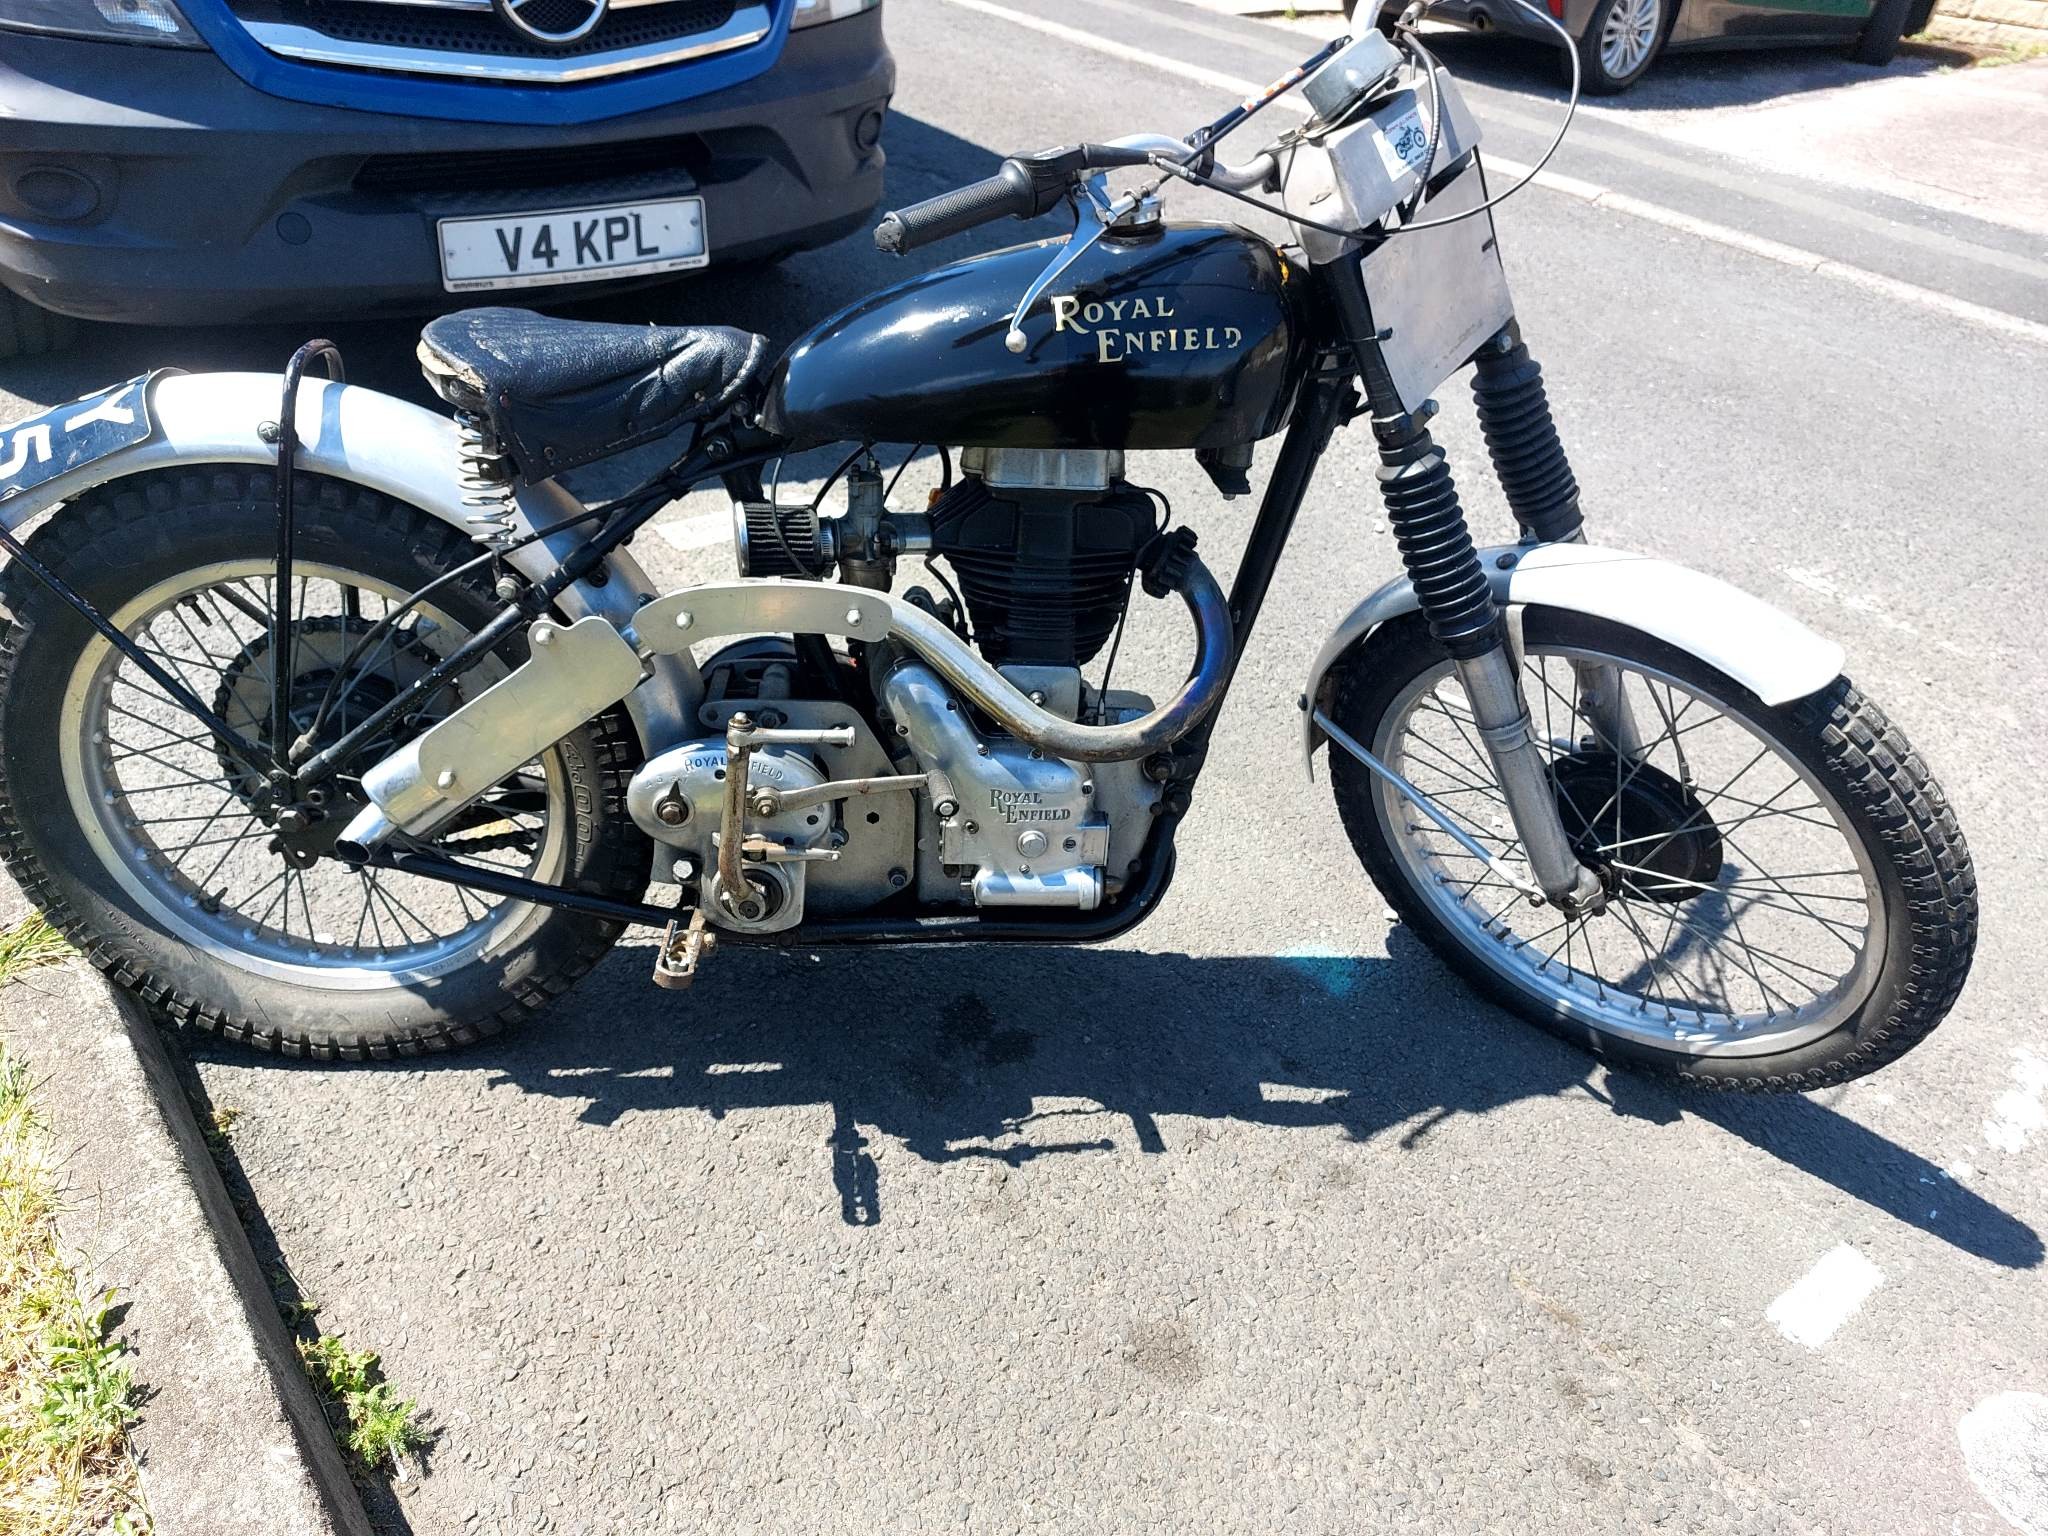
1622,39
1879,42
27,330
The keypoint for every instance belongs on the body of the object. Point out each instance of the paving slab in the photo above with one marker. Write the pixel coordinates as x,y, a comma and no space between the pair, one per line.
231,1440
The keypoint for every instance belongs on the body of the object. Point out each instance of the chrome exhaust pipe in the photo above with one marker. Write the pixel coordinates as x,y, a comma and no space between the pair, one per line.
573,672
674,623
362,837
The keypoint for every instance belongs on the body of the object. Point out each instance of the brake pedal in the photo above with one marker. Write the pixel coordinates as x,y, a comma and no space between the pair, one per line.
682,952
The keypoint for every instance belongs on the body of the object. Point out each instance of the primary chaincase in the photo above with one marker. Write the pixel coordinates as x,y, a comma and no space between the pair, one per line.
677,797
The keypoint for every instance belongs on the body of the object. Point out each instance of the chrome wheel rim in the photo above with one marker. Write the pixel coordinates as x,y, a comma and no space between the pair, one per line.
1763,957
168,824
1627,36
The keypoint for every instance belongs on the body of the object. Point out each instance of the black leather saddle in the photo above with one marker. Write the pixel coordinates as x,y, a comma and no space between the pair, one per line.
559,393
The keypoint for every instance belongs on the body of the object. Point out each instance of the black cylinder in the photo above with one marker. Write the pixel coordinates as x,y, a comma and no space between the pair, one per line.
1436,547
1514,414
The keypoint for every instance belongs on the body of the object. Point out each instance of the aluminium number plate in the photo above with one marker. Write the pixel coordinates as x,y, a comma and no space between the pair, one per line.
66,436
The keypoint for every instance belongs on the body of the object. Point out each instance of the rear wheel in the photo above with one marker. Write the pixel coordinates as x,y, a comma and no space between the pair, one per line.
154,851
1790,902
1621,41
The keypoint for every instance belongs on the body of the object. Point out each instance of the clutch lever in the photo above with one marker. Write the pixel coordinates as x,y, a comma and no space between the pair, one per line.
1094,214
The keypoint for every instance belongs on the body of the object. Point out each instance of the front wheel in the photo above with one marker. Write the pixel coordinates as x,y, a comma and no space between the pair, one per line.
160,856
1790,904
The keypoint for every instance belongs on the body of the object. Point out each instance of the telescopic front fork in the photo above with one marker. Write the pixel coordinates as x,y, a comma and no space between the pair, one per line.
1457,602
1543,494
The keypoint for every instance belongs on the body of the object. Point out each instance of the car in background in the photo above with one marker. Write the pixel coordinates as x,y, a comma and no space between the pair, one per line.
201,161
1618,40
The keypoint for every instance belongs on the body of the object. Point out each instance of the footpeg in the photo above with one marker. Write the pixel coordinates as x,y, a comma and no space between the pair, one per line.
682,952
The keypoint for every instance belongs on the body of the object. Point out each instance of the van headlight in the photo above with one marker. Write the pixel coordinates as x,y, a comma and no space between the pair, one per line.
127,21
809,13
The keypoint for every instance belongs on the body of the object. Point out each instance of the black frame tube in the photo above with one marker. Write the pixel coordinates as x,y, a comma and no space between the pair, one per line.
281,637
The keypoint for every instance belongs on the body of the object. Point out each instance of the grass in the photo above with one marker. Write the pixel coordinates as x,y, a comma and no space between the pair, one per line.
382,1426
28,944
67,1392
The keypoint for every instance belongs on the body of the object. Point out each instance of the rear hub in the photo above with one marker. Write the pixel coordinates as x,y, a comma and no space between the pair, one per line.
306,830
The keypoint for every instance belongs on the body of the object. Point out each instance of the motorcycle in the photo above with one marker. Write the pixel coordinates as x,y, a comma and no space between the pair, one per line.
337,726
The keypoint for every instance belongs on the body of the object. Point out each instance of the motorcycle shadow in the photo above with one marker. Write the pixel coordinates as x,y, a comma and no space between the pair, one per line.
982,1053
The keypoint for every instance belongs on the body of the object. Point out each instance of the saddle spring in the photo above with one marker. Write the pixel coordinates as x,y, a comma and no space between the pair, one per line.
486,481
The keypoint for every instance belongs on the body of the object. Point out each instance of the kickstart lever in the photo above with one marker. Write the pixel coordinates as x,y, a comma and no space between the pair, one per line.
742,739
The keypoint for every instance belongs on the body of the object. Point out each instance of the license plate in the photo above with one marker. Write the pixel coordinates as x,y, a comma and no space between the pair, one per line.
567,245
61,439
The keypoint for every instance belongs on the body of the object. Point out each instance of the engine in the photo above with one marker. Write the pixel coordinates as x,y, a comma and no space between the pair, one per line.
1043,546
1044,573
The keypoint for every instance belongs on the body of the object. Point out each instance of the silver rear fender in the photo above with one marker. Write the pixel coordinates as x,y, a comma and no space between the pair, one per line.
367,438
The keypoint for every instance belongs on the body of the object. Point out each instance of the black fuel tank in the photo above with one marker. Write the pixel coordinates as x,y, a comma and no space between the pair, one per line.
1186,336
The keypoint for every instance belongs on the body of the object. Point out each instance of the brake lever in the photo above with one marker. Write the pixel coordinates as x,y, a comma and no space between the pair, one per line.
1094,214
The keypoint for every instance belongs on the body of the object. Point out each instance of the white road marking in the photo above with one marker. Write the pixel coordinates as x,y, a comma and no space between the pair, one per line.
1820,582
2016,326
1825,1297
2005,1447
1116,50
2019,1112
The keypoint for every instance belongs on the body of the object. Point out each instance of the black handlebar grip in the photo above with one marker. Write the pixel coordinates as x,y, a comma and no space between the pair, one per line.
1010,191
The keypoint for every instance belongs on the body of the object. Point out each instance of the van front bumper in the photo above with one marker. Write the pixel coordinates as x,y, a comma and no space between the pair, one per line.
153,185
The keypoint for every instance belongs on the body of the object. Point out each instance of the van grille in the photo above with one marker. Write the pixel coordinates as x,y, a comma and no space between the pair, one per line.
468,40
439,30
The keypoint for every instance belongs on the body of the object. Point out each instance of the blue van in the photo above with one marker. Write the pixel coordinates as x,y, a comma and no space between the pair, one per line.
202,161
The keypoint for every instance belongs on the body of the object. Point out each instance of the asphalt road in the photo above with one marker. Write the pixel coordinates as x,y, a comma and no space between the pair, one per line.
1258,1220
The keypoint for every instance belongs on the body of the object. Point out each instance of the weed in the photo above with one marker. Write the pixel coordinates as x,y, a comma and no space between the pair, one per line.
28,944
86,1398
220,1127
67,1393
381,1425
293,1304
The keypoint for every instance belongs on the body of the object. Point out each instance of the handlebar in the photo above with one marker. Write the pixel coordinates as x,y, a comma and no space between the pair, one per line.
1028,185
1025,187
1009,191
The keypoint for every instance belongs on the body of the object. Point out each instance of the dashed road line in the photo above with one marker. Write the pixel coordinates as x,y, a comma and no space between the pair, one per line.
1825,1297
2019,1114
1999,321
2005,1448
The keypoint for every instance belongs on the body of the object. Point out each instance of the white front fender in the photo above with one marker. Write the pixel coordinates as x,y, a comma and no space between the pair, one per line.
1769,652
388,445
